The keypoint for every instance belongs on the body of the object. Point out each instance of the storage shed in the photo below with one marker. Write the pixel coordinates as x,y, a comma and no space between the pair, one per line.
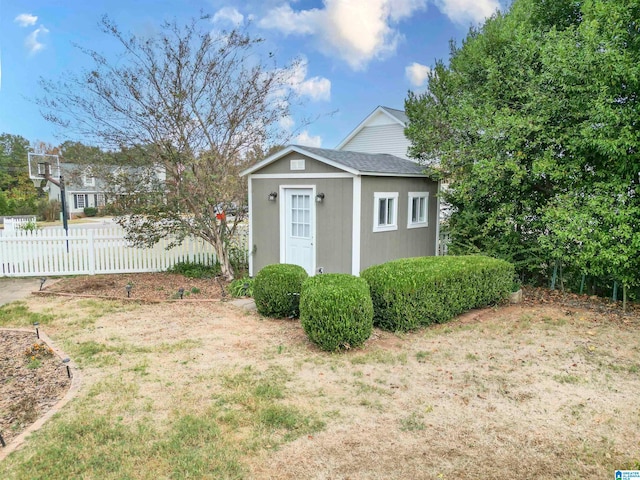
339,210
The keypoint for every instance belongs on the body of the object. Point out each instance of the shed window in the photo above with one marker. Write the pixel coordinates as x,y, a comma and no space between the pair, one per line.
418,210
297,164
385,211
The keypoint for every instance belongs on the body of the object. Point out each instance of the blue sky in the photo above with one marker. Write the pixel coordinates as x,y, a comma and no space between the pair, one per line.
357,54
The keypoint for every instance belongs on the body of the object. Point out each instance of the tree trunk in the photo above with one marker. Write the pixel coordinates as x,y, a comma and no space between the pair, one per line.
226,270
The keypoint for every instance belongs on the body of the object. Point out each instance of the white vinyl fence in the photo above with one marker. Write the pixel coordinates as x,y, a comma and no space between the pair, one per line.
11,224
91,251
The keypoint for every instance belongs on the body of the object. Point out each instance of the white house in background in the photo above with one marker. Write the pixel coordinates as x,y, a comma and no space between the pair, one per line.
82,188
381,132
85,190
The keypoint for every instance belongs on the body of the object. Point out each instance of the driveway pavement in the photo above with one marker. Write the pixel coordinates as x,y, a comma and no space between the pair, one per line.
12,289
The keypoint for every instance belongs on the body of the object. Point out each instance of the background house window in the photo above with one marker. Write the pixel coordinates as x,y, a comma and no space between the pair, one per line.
418,210
88,180
385,211
80,200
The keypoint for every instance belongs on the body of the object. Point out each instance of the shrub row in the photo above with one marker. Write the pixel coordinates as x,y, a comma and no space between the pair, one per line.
412,292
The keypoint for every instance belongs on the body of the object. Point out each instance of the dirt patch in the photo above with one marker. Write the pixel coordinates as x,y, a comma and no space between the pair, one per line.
32,380
144,286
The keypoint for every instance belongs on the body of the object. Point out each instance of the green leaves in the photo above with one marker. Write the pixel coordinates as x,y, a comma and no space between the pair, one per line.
535,122
413,292
336,311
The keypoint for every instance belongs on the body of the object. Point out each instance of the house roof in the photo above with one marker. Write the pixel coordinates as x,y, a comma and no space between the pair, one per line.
398,116
357,163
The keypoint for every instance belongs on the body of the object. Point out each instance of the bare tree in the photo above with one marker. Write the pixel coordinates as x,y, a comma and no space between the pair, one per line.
194,106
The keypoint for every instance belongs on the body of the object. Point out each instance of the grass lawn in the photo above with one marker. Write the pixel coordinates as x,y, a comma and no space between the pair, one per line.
213,392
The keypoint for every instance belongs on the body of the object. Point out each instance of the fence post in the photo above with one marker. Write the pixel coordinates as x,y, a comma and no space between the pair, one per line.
91,247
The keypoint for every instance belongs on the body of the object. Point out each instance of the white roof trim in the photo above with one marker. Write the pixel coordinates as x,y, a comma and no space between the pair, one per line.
364,124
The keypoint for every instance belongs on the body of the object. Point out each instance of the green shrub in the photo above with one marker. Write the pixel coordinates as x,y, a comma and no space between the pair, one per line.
413,292
336,311
241,287
90,211
276,290
195,270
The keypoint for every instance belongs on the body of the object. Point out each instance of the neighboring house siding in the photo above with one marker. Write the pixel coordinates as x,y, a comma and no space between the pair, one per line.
380,139
380,247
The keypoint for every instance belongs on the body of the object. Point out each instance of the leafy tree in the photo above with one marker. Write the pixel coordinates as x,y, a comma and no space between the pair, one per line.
17,192
188,106
534,122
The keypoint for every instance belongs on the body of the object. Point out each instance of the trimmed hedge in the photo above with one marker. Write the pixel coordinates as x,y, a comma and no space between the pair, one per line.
412,292
336,311
276,290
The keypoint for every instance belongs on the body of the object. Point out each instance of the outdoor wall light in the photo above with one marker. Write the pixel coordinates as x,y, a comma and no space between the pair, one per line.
128,289
320,197
272,196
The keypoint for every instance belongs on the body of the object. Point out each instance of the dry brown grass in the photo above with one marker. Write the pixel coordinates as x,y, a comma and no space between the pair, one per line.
523,392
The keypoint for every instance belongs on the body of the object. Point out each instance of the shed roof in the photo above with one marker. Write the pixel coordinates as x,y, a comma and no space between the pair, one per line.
357,163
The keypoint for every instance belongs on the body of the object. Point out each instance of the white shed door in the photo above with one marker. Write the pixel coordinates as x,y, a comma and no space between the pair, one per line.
300,228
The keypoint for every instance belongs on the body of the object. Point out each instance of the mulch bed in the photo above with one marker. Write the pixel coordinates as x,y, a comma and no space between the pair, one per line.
151,287
32,380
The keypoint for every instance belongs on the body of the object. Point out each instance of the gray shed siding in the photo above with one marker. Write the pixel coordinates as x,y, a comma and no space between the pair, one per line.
265,224
311,166
380,247
333,216
380,139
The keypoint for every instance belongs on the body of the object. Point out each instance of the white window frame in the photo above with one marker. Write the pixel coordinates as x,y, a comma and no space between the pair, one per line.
393,224
420,223
297,164
76,202
88,180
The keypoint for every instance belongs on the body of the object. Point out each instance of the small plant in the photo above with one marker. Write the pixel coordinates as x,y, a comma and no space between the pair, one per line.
195,290
276,290
29,226
38,350
195,270
336,311
34,363
241,287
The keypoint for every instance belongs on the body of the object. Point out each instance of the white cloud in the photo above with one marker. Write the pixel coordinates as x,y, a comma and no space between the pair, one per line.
417,74
316,88
26,19
228,15
287,123
468,11
32,42
308,140
355,30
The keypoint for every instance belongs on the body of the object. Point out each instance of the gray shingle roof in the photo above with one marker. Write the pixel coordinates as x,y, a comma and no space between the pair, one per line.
367,162
399,114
